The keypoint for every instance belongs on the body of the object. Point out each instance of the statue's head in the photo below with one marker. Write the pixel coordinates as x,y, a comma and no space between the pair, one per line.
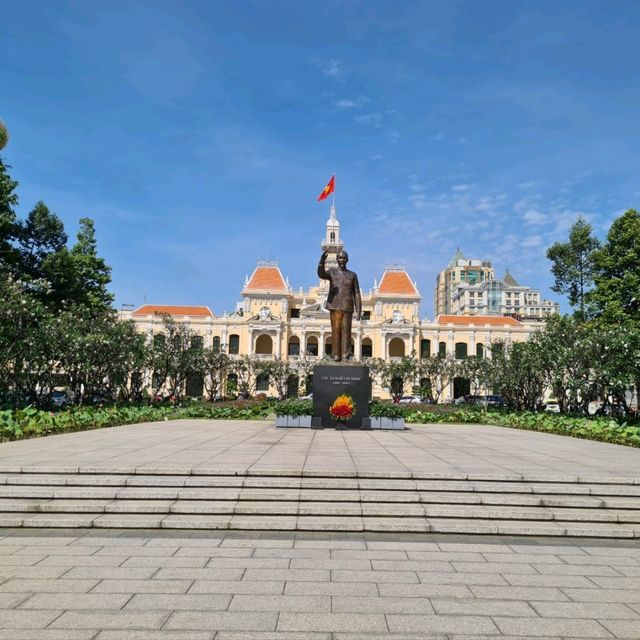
342,258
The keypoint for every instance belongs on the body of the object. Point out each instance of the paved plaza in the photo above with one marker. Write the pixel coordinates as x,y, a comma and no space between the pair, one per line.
182,584
257,446
101,585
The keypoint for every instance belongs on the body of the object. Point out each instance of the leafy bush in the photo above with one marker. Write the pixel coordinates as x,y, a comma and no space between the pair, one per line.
387,410
294,408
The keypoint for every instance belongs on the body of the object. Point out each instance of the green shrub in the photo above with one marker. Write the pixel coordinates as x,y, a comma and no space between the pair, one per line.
294,408
386,410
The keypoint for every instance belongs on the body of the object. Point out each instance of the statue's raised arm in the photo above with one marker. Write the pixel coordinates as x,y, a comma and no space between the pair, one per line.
322,271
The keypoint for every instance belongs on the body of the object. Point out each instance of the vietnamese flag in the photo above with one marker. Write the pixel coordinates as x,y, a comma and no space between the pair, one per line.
328,190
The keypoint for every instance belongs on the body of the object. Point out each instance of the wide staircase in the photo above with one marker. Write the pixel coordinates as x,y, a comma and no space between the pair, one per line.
193,499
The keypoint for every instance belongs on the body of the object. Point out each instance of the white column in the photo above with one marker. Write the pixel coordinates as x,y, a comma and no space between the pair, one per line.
358,345
250,350
321,345
278,341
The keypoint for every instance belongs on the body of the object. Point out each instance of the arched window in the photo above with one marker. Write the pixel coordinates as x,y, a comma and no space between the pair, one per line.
264,345
216,344
367,348
294,346
461,350
312,346
262,382
293,386
479,350
396,348
332,236
194,386
328,346
232,385
234,343
425,388
442,349
197,342
425,348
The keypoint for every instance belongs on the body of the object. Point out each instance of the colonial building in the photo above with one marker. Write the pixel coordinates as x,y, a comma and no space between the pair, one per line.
469,287
274,320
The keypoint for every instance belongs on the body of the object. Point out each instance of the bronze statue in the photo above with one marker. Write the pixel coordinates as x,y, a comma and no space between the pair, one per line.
343,300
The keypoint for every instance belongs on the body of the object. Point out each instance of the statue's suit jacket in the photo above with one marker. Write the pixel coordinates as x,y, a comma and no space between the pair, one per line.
344,290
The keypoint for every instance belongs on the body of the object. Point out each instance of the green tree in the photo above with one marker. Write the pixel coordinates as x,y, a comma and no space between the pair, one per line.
79,276
572,264
438,370
40,235
616,295
212,365
8,221
397,374
171,357
517,374
279,372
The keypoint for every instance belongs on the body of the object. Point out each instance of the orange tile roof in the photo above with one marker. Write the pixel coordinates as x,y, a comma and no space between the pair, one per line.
267,279
494,320
149,309
396,282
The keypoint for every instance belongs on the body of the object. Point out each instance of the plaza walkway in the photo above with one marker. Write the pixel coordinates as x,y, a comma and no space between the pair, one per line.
343,544
257,446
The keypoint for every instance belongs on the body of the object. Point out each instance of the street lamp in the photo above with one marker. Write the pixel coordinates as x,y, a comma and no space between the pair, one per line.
4,135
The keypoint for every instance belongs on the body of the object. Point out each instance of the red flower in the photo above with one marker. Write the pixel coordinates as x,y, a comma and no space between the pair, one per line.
342,408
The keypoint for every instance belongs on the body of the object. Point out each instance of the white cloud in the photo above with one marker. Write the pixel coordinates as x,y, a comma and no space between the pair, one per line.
527,185
370,120
532,241
534,217
460,187
351,104
393,136
377,157
332,68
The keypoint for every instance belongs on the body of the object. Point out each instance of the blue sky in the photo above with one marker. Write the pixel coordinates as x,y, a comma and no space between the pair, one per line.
198,134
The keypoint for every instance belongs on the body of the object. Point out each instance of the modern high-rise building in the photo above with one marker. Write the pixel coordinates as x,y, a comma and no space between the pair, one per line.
459,271
469,288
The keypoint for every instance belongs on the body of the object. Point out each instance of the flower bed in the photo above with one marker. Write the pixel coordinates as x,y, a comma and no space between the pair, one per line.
31,422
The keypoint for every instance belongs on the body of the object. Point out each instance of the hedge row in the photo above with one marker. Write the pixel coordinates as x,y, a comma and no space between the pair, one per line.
30,422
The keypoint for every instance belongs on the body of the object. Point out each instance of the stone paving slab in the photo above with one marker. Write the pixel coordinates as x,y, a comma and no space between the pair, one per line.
410,586
257,448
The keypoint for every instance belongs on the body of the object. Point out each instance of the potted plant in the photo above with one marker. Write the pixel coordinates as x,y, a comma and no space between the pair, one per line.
294,413
386,415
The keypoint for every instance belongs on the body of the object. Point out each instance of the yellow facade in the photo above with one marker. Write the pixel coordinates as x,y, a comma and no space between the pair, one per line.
276,321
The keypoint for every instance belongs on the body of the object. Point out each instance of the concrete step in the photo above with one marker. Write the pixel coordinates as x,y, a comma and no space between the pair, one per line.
320,523
320,508
317,501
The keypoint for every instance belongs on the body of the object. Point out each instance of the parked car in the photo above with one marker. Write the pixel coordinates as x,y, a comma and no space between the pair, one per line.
552,407
309,396
60,399
615,409
494,401
410,400
101,399
468,399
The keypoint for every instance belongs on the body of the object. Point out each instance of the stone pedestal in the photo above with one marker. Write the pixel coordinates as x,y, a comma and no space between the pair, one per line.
330,381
